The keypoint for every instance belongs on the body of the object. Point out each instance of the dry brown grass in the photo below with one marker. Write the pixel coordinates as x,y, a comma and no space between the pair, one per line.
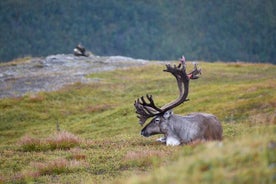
63,140
57,166
38,169
59,140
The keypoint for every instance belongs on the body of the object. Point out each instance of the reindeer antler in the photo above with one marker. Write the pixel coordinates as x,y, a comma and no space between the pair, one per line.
148,109
183,85
195,73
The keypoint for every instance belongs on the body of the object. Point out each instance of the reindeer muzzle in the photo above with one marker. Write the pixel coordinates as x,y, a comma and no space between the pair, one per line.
145,133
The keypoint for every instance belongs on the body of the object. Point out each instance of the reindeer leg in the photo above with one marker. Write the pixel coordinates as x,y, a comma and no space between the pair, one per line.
161,139
172,141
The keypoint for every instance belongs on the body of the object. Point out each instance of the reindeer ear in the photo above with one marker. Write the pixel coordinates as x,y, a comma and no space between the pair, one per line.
167,114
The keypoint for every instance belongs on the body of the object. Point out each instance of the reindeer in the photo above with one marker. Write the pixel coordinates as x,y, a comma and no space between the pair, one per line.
177,129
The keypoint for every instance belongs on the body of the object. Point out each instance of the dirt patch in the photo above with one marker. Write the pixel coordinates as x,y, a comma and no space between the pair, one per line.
53,72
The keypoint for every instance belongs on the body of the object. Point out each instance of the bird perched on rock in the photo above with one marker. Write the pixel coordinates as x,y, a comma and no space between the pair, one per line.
79,50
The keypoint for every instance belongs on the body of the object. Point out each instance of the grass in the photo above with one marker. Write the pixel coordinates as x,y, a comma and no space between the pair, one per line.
99,140
60,140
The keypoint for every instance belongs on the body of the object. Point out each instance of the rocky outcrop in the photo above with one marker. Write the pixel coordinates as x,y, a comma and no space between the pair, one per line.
55,71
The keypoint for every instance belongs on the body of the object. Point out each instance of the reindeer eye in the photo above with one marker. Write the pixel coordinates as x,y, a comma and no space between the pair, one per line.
157,120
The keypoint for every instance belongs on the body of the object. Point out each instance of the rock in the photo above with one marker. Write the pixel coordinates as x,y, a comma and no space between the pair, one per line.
55,71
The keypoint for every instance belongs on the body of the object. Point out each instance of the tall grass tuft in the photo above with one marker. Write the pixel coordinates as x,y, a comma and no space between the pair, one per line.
57,166
63,140
54,167
60,140
28,143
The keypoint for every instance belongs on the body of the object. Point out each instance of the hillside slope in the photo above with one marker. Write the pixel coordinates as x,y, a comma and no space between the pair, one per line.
99,139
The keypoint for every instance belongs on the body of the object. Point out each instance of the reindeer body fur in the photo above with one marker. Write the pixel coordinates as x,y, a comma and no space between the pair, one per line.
184,129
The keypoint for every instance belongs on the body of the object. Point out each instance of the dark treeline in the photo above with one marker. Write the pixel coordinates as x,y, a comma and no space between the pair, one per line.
225,30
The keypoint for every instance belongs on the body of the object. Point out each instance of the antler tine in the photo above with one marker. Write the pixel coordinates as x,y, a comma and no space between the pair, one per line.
195,73
145,109
151,105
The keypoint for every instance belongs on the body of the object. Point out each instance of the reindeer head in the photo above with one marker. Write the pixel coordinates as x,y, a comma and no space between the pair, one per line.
147,108
158,125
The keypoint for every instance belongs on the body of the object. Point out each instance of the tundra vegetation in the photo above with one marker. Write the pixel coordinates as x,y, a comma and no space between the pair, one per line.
99,139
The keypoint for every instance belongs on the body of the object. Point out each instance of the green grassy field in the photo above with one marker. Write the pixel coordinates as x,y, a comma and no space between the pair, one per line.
99,139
